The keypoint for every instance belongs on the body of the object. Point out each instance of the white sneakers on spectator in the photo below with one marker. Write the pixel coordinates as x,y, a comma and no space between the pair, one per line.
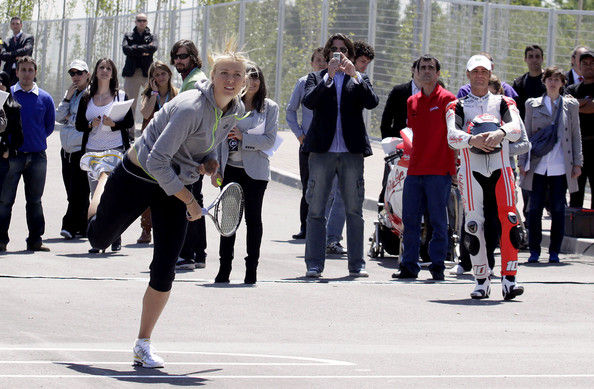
361,273
335,248
145,356
457,270
185,264
66,234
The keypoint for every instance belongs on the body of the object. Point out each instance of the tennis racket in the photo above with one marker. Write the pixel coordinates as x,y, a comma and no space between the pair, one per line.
227,209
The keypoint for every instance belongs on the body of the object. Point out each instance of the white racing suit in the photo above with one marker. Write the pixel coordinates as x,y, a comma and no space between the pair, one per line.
486,181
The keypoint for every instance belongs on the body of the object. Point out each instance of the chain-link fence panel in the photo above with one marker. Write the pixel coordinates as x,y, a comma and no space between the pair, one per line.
280,35
571,29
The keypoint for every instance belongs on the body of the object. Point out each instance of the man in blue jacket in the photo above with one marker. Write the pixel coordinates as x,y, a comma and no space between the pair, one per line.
30,161
337,142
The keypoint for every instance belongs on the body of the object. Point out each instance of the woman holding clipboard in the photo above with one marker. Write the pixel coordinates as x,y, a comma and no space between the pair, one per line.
101,132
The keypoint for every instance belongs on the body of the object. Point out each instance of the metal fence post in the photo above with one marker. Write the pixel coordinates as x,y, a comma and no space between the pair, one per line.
551,35
279,50
116,35
324,25
242,23
426,26
204,49
486,26
371,31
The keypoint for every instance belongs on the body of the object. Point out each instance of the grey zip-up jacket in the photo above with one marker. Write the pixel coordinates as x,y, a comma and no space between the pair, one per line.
183,134
70,137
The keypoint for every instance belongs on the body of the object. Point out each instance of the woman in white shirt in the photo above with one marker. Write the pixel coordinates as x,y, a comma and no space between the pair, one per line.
555,172
100,132
244,159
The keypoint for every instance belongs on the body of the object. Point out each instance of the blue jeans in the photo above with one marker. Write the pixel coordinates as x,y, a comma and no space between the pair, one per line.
322,169
32,166
425,192
335,214
555,186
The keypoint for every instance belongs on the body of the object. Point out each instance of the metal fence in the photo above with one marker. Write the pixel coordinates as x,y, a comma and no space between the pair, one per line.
281,34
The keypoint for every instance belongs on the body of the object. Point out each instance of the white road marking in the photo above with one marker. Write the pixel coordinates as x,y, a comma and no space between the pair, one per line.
165,376
312,361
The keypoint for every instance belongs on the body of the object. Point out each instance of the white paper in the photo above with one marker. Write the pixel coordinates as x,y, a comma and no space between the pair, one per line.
277,142
119,109
3,97
258,130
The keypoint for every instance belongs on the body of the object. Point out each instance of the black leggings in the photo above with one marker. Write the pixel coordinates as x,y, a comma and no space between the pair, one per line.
253,192
128,192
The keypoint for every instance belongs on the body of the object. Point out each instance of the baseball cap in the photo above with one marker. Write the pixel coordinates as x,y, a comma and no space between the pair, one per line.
479,60
587,54
79,64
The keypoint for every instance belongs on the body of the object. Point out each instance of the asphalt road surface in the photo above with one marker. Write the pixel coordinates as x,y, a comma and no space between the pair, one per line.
68,319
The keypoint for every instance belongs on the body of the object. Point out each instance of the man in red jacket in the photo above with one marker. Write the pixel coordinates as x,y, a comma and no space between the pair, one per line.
432,163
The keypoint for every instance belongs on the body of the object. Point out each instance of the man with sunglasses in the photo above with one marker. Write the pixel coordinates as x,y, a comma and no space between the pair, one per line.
337,142
139,47
75,179
185,58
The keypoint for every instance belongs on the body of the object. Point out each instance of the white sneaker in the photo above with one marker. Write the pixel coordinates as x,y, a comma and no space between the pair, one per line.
510,289
457,270
313,274
145,356
184,264
481,291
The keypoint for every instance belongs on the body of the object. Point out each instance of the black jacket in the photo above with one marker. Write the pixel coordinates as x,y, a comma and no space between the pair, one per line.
12,137
322,100
394,116
524,93
11,50
82,124
135,46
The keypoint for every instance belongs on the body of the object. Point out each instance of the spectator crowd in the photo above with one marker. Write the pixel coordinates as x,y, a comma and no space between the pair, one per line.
484,139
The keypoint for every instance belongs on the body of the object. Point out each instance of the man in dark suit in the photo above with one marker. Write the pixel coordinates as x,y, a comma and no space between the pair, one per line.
394,115
337,142
574,75
19,45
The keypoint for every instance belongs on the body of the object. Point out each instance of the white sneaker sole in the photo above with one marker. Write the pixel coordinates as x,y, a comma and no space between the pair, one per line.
138,362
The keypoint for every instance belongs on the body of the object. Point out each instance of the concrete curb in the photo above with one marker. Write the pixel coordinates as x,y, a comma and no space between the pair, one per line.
571,245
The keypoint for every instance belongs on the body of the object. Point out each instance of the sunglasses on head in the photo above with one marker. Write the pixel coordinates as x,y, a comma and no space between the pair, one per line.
342,49
180,56
75,73
141,20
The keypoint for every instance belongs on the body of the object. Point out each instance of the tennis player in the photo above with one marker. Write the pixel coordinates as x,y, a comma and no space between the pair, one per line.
176,147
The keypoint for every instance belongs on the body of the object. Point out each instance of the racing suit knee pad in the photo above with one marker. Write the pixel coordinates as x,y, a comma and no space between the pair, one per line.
471,241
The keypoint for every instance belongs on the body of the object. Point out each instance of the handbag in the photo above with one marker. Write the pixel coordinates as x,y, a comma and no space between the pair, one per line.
544,140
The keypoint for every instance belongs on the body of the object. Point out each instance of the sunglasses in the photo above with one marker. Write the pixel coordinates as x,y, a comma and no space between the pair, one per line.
342,49
180,56
75,73
141,20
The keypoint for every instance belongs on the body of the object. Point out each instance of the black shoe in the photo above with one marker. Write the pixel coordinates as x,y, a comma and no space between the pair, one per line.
94,250
437,275
37,247
116,245
403,274
300,235
2,247
224,272
250,275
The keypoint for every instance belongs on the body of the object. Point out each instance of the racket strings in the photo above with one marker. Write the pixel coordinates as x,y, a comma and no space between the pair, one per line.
230,210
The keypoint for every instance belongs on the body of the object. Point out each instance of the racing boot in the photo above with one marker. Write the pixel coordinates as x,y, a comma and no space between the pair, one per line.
482,289
509,288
